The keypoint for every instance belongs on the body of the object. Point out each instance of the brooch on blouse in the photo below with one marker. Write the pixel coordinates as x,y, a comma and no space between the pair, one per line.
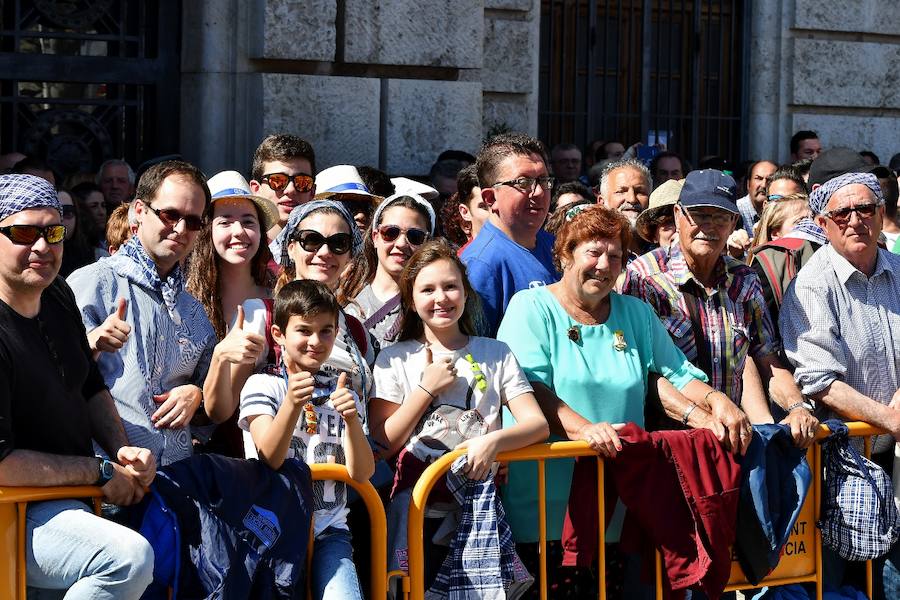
574,333
619,340
480,381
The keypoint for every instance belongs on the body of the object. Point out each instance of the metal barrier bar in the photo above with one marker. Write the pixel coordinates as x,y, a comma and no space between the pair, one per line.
13,504
377,521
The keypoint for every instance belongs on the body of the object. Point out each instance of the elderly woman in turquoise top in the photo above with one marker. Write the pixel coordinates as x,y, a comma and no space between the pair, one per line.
591,355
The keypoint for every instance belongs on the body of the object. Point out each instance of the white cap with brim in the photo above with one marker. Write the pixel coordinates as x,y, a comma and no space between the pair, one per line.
232,185
342,182
405,185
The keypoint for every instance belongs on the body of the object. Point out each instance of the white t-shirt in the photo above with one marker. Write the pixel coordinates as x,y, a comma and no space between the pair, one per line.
398,371
263,395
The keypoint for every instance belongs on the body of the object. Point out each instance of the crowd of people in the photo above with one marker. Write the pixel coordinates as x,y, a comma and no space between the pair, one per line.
344,316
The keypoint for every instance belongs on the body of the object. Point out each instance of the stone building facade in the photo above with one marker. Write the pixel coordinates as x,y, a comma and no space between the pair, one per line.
388,84
832,67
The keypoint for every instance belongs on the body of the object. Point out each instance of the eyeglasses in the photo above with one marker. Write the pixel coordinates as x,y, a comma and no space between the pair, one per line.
841,216
527,185
68,211
171,217
718,219
311,240
279,181
26,235
414,236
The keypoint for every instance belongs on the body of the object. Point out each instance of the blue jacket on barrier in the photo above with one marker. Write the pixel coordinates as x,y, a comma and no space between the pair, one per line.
228,528
775,479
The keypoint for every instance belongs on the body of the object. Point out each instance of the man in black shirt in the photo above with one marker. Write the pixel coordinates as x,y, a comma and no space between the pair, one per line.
52,403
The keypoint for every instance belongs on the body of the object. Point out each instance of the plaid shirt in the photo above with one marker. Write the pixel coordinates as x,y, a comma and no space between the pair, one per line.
733,316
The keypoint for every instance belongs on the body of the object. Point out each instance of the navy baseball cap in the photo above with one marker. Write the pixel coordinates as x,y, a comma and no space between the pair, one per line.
709,187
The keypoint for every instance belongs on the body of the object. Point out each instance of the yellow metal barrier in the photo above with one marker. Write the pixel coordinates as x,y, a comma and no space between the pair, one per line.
539,453
794,567
13,502
377,521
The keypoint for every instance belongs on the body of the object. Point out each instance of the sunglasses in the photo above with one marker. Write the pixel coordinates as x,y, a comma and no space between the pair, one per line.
841,216
279,181
414,236
171,217
26,235
311,241
68,211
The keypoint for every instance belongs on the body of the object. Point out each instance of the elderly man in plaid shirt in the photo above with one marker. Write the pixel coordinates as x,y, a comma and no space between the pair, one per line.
840,321
714,309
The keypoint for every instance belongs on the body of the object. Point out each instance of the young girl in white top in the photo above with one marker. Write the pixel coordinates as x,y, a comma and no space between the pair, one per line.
303,413
440,369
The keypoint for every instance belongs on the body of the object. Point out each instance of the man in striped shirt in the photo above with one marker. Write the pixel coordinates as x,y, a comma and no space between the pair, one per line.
713,306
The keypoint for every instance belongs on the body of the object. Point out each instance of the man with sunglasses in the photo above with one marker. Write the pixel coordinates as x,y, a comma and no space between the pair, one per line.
283,168
52,403
714,310
839,321
157,375
512,251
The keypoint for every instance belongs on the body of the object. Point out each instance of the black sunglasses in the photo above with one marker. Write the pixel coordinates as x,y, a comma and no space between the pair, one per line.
68,211
279,181
311,240
171,217
26,235
414,236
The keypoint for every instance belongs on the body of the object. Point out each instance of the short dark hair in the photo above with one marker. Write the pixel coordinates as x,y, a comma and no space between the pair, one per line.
377,181
281,147
31,164
466,181
499,148
799,137
870,154
787,172
448,168
654,164
304,298
802,166
563,147
571,187
153,178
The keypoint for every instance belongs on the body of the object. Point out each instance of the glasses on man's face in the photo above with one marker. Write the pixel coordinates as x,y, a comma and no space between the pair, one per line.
26,235
279,181
171,217
719,219
527,185
68,211
841,216
311,240
414,236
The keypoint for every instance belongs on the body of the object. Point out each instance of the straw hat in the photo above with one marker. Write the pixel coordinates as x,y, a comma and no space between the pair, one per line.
662,199
231,184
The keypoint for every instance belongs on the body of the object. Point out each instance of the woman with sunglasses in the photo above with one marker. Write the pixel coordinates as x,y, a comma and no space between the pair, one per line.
370,289
317,243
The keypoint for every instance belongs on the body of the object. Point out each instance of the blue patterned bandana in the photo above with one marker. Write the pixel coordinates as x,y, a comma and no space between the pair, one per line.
146,274
807,229
21,192
279,245
822,194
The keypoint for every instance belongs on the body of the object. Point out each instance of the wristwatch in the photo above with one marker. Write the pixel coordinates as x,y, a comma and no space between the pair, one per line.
105,471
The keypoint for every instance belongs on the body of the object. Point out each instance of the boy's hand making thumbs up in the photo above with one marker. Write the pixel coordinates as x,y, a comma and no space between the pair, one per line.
343,401
300,383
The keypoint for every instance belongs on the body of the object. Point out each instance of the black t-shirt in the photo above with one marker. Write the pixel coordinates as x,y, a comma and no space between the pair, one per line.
47,377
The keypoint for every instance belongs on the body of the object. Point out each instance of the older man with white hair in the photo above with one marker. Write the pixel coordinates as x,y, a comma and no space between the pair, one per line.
840,318
625,186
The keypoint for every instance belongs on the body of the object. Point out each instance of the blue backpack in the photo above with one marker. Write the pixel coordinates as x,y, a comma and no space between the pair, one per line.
859,518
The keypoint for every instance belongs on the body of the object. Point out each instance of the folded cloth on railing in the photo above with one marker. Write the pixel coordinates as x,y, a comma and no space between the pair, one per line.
482,562
681,490
859,517
228,528
775,480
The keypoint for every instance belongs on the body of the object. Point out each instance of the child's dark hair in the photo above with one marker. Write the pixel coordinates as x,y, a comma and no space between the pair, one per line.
305,298
431,252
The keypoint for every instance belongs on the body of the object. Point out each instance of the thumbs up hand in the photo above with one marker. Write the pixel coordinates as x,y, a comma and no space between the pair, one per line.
240,347
437,376
300,384
112,334
343,401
